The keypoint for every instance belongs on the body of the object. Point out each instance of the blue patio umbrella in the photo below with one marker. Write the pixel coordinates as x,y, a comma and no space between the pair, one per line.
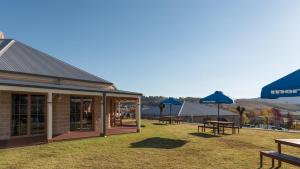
170,101
217,98
287,86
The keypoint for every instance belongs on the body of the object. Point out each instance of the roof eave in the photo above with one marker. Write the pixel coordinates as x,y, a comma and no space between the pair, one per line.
22,73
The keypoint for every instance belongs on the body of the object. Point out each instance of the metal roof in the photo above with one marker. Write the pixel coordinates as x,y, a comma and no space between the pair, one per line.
21,58
197,109
19,83
155,111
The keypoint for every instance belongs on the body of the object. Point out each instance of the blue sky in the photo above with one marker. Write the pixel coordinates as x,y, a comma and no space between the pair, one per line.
165,47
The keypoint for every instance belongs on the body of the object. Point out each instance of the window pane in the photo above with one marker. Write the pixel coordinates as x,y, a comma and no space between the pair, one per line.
23,109
19,115
37,114
75,110
23,99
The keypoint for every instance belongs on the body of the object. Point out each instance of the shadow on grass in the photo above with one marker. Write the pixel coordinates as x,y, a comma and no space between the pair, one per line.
204,135
159,124
158,142
269,168
143,126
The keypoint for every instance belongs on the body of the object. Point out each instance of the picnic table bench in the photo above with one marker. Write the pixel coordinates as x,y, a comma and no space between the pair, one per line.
279,155
170,119
222,125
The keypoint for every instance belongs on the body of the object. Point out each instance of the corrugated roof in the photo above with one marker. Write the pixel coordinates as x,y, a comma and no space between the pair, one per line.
197,109
8,82
21,58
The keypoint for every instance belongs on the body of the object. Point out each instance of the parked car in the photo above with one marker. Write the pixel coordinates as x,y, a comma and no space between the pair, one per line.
249,125
277,128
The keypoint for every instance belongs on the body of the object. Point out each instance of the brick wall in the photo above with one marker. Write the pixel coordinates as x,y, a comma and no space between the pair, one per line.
97,118
61,114
5,115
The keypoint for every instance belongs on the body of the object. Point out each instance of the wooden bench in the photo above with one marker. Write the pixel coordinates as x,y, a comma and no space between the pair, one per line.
234,128
200,126
280,157
179,120
163,120
204,126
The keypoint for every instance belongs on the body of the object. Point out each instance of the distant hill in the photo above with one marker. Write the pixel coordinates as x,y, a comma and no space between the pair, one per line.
155,100
253,105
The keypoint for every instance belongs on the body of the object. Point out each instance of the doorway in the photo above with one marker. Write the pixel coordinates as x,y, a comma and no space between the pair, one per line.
81,114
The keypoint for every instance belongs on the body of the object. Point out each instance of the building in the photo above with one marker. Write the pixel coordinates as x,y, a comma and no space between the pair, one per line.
154,112
43,98
192,112
199,113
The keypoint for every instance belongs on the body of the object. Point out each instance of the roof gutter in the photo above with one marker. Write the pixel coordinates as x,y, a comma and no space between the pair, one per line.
70,89
55,77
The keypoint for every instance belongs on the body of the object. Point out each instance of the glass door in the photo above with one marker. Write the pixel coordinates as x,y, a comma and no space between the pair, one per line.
81,114
75,114
38,110
87,116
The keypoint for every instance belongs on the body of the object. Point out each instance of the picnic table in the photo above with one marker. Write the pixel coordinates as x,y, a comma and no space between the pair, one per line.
288,142
216,125
170,119
281,157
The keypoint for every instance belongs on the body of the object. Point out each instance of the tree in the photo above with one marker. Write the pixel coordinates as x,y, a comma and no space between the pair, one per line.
290,121
246,119
266,116
241,111
277,116
161,109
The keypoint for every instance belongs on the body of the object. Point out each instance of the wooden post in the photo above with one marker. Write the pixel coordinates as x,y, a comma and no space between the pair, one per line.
279,151
218,118
261,160
49,117
103,116
138,114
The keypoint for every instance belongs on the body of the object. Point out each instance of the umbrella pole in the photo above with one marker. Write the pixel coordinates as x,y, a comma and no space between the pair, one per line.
170,113
218,118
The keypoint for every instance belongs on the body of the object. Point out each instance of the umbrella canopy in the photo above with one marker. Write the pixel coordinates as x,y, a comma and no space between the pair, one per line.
171,101
216,98
287,86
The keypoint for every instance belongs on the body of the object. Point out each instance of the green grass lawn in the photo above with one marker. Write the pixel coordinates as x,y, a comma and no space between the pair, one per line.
158,146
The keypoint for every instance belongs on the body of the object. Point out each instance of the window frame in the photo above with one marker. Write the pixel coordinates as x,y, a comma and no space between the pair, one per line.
81,111
29,114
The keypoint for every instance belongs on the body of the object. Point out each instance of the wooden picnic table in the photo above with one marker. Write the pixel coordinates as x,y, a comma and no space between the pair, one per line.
288,142
169,119
218,124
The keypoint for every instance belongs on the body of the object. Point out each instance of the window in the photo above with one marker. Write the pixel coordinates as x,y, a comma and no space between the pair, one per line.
75,114
37,114
19,114
28,112
81,114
